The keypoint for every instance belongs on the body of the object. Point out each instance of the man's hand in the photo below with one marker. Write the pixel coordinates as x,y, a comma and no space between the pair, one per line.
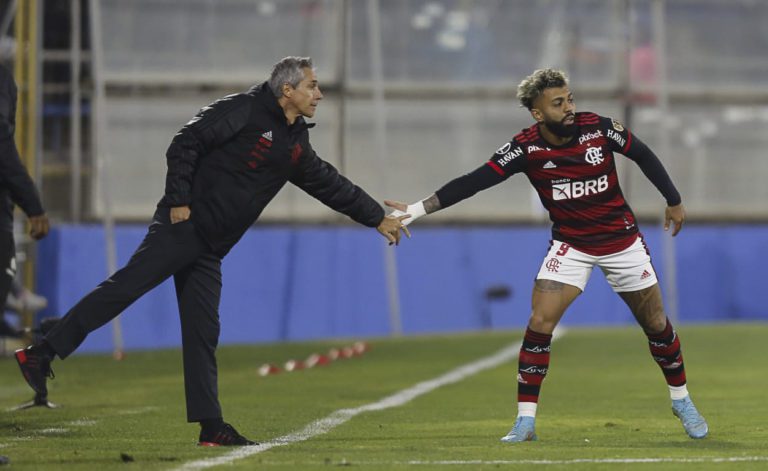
675,214
390,228
400,209
180,214
38,226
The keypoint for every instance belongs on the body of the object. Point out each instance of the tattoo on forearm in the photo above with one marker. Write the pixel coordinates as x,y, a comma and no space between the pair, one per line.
548,286
432,204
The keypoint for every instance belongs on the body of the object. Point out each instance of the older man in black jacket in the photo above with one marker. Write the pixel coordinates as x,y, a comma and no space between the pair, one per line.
16,187
224,167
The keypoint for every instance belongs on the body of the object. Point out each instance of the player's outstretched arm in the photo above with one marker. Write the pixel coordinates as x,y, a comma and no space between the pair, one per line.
675,215
451,193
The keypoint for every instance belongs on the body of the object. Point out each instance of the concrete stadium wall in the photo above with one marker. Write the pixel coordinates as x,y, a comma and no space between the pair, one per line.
283,283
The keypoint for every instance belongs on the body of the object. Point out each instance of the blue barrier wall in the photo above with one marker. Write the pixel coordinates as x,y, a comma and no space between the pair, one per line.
283,283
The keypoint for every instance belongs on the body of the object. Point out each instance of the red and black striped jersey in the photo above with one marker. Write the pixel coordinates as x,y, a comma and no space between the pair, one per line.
577,182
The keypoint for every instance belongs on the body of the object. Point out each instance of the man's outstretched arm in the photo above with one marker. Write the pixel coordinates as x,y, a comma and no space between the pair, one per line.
322,181
451,193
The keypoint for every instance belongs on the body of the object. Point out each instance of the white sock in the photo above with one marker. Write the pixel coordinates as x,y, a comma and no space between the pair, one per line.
526,409
678,392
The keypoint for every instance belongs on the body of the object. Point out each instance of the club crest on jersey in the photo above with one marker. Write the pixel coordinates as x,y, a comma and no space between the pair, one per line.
617,125
594,155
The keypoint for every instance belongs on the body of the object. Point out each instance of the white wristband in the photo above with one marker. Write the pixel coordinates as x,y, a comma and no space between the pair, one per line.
416,210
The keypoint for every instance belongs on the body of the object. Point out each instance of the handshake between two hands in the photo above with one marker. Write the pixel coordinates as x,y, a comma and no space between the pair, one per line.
395,222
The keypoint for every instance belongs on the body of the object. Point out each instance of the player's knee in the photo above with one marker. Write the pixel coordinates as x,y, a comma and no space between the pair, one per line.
656,322
541,324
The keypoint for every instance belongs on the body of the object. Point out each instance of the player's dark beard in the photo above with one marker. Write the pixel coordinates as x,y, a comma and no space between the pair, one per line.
560,129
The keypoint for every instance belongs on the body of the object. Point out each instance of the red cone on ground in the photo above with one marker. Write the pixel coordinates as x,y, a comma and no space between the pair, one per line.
293,365
268,369
316,360
333,354
347,352
360,347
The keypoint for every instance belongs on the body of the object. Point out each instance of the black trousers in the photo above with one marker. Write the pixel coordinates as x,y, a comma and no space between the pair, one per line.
7,267
167,249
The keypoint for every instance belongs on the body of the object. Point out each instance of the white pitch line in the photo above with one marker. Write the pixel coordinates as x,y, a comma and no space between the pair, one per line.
140,410
82,423
49,431
341,416
731,459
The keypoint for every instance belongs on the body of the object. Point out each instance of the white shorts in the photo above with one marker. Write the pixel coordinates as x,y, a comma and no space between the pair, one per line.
628,270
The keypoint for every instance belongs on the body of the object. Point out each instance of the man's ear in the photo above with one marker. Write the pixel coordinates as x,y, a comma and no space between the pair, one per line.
537,115
287,90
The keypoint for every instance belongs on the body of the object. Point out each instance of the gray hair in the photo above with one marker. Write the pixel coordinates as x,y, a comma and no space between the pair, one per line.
534,85
289,70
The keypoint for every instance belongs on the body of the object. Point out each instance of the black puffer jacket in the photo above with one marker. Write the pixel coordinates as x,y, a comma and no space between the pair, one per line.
16,186
231,159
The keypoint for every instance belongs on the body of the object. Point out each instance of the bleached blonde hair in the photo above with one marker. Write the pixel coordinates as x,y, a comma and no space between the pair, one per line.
534,85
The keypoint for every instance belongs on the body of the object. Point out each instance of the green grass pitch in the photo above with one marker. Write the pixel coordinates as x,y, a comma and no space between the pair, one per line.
604,405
